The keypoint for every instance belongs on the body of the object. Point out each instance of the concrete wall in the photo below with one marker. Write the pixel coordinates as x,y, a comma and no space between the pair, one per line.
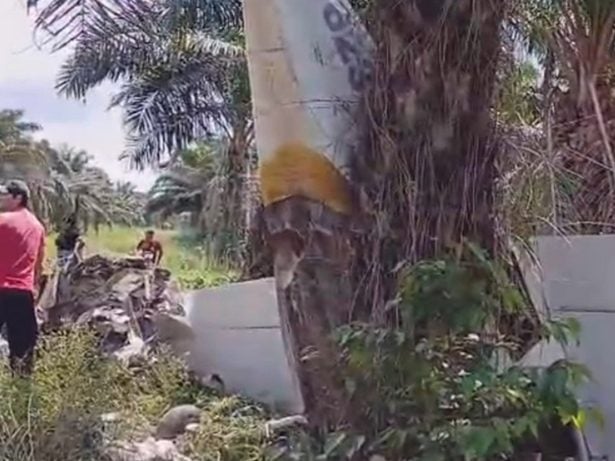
576,278
236,333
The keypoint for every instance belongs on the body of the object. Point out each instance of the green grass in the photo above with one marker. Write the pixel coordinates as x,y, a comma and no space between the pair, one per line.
57,415
184,256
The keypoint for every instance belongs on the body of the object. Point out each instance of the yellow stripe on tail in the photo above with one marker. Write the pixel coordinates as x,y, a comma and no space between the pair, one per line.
297,170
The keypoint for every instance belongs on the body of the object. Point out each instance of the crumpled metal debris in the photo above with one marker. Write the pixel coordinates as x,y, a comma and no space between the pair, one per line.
118,298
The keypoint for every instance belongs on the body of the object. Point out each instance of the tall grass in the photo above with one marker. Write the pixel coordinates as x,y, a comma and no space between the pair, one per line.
57,415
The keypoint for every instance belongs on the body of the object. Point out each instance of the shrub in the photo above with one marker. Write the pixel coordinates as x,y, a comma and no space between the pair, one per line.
430,387
56,415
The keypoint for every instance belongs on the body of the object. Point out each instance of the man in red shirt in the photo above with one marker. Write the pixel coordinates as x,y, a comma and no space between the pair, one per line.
150,248
22,250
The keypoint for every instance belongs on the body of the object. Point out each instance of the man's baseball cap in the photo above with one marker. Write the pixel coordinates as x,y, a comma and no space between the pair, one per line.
16,188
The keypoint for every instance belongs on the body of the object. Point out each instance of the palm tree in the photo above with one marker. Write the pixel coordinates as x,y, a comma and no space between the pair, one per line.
102,202
66,22
178,190
427,168
177,86
12,126
518,99
57,176
182,76
180,66
20,155
575,39
67,160
196,184
425,176
129,197
24,158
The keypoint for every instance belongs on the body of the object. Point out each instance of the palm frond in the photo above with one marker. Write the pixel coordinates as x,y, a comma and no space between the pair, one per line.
177,85
162,121
66,22
209,15
57,176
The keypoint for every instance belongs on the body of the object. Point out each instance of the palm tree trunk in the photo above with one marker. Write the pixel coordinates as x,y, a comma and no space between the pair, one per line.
312,247
258,255
426,173
235,193
428,165
228,220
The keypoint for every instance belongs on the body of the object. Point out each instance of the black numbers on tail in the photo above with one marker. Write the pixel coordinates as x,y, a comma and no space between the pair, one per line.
345,40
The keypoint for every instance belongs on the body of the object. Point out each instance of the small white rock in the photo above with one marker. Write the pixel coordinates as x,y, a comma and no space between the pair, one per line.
176,420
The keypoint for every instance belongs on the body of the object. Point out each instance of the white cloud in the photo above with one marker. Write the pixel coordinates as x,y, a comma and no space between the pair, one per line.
27,76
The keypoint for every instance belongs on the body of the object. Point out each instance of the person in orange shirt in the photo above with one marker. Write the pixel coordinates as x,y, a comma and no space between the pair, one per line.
22,251
150,248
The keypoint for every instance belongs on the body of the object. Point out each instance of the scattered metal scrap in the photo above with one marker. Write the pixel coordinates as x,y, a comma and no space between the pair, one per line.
118,298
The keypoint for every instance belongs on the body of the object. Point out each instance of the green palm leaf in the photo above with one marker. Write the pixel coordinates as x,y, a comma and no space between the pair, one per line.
66,22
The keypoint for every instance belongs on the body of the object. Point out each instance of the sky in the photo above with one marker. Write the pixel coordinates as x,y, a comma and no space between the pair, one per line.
27,76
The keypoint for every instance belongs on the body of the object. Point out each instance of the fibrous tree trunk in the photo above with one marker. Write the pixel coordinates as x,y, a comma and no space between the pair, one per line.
226,197
317,300
428,165
423,182
579,40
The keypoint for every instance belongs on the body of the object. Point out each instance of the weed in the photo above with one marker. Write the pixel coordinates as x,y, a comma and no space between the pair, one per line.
429,387
56,416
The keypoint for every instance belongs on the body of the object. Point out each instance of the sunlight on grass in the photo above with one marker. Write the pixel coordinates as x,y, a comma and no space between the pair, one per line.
183,255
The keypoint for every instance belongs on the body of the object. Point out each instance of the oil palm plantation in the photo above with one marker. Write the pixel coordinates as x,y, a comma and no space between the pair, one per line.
431,101
57,176
182,78
20,155
73,177
196,183
176,84
182,186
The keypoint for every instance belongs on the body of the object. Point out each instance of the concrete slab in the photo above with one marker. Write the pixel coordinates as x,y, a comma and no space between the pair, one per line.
578,271
596,341
247,304
236,334
543,353
576,278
